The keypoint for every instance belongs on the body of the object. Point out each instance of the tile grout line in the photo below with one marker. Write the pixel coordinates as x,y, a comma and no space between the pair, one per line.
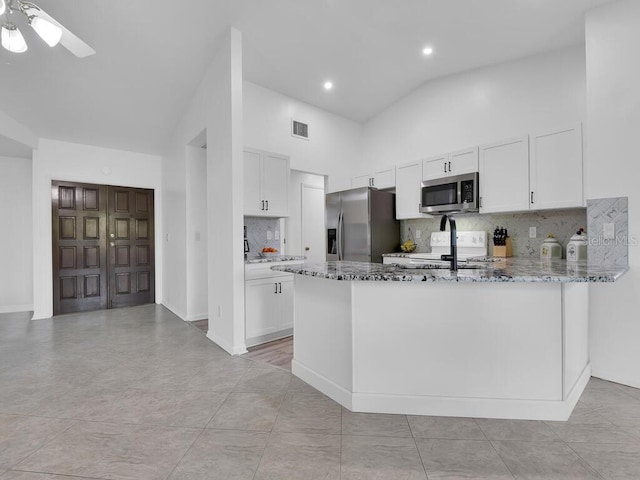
494,447
585,461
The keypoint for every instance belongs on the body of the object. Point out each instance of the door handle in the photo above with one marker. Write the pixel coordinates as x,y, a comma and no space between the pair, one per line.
267,202
449,167
531,197
445,167
262,205
113,244
276,285
280,285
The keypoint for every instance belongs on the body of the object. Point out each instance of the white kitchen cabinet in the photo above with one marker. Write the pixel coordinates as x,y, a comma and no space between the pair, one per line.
408,190
504,176
453,163
381,179
266,184
268,309
556,169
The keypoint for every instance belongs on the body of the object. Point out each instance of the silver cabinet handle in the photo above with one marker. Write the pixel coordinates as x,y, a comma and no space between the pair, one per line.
280,285
262,205
531,197
276,285
267,202
449,167
445,167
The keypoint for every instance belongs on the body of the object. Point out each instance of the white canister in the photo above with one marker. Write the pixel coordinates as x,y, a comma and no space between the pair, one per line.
550,249
577,247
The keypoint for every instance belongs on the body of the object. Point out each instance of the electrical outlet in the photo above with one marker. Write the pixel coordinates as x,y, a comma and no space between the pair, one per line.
533,232
418,234
609,231
268,235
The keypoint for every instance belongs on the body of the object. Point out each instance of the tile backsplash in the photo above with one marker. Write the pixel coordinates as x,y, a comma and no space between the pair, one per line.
561,223
608,250
257,228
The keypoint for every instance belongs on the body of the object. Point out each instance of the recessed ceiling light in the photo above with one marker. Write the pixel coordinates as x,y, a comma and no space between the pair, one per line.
328,85
426,51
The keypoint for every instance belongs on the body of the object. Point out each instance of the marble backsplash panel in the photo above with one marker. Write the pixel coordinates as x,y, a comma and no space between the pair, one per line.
603,250
257,231
561,223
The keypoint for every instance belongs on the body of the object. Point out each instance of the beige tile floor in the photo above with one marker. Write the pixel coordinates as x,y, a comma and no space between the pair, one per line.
138,394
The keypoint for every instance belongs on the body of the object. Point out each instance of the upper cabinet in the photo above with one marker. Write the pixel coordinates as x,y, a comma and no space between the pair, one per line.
504,176
382,179
535,172
408,188
266,184
454,163
556,169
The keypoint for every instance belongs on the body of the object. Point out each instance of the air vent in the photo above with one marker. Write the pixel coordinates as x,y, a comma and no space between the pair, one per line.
299,129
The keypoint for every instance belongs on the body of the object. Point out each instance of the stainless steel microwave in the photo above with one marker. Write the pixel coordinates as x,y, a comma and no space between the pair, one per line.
457,193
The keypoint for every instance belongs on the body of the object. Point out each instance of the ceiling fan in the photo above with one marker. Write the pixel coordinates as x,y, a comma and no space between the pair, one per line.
49,29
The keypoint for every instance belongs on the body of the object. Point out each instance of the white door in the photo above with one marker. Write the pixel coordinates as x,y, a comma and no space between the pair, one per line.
361,181
463,161
312,220
435,167
408,188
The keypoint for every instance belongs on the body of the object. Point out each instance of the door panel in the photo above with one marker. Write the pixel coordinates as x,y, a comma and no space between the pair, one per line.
79,247
131,263
313,238
103,250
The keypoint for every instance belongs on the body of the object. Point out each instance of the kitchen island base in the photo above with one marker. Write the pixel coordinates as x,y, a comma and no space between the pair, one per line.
492,350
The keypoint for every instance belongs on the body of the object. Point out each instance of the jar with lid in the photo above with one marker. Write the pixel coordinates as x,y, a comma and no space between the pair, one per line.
577,247
550,248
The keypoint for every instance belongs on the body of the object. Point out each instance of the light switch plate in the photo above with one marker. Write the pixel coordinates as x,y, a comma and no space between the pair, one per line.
268,235
418,234
609,231
533,232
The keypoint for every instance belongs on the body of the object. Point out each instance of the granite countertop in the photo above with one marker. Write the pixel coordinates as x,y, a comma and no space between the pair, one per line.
487,269
274,258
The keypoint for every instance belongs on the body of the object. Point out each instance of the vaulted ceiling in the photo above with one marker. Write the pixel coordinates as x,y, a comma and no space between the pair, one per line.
151,55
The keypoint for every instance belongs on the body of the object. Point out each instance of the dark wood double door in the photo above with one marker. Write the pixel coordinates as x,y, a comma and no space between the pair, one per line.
103,247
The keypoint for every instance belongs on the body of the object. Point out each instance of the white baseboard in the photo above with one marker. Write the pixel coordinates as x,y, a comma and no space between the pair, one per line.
174,310
230,349
16,308
323,384
616,378
558,410
197,316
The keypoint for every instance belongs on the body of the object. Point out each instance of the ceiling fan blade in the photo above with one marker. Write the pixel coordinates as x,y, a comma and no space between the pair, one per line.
69,41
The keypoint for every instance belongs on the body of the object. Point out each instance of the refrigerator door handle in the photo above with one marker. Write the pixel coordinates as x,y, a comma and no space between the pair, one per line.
340,235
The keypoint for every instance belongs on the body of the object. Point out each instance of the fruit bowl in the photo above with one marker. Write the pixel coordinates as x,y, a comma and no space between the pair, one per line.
408,247
269,252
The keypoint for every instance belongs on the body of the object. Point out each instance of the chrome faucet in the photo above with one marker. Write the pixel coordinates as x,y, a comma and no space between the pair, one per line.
453,255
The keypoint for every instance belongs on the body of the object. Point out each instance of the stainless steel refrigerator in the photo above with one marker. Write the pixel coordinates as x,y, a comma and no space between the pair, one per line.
361,225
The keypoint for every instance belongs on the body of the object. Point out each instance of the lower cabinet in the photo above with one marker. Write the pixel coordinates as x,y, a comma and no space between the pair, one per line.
268,308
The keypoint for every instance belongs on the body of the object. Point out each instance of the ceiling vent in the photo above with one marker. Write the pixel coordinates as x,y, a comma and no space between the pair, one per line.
299,129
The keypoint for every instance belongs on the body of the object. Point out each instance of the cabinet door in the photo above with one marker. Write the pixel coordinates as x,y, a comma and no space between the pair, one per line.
384,178
435,167
504,176
275,185
556,169
408,185
361,181
252,183
285,303
463,161
260,299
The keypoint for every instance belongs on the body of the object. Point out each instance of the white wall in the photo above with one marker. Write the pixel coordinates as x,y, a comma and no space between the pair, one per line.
334,147
16,252
16,131
56,160
196,235
613,170
480,106
217,108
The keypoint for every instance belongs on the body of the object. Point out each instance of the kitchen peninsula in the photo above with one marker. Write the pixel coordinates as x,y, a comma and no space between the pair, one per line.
502,339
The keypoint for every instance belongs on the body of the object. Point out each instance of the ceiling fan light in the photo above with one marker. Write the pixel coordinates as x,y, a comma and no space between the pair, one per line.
13,40
48,32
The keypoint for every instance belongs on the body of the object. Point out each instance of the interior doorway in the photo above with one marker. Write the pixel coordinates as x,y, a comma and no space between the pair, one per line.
103,246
